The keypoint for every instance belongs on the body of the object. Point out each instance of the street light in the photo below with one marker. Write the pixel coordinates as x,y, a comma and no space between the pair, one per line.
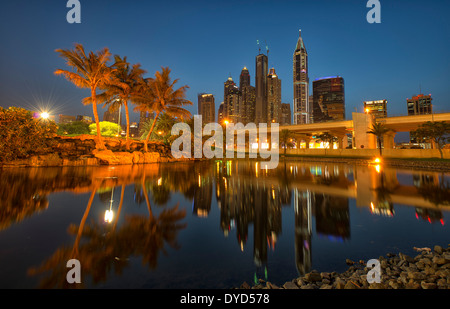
45,115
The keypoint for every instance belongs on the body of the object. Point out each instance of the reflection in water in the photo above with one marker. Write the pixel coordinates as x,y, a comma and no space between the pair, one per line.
247,197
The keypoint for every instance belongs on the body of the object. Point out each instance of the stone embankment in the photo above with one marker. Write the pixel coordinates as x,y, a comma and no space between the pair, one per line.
81,151
430,269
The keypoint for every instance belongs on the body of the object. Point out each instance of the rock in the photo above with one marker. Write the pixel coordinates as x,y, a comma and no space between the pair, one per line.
417,275
313,277
439,260
339,284
377,286
412,285
438,249
245,285
271,286
428,285
350,285
349,262
290,286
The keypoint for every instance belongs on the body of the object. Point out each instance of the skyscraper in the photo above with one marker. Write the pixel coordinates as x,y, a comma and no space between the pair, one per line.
301,83
329,99
377,108
244,78
285,114
248,98
220,113
419,105
232,100
273,97
207,107
261,89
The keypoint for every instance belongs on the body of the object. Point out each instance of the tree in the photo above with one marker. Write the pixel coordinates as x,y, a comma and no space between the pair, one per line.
89,71
436,131
327,138
379,130
286,139
21,135
158,95
129,78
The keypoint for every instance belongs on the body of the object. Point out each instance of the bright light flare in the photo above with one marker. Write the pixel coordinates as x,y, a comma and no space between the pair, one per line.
109,216
45,115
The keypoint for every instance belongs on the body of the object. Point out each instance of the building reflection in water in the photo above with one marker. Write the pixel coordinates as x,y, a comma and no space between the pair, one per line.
247,196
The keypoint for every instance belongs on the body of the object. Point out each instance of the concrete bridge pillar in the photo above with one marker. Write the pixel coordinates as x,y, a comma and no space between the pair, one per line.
388,140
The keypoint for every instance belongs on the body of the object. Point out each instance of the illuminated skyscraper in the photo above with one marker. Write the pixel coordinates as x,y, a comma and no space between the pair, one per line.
376,108
285,114
248,98
273,97
301,83
232,100
261,89
329,99
206,107
419,105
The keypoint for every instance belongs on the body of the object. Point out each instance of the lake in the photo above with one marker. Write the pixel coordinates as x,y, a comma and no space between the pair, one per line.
211,224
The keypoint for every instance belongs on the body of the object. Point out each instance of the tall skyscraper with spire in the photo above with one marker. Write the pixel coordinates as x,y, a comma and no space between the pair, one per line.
301,83
262,63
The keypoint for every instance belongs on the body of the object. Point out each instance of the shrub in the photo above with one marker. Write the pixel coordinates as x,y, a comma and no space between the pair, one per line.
76,127
21,135
107,128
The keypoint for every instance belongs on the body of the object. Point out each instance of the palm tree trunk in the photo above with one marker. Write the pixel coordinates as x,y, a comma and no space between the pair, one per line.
150,132
100,144
379,144
81,227
125,103
120,207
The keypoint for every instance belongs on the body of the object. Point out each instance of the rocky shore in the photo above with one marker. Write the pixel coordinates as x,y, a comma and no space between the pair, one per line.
429,269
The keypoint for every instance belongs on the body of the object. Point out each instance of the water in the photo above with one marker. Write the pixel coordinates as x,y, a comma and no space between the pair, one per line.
210,224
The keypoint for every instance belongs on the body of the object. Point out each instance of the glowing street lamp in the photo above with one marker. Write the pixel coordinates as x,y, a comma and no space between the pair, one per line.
45,115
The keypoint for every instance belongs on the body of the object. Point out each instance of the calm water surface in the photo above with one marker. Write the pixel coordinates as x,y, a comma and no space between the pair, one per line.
210,224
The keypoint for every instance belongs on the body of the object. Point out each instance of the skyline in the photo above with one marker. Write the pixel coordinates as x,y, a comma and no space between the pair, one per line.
203,43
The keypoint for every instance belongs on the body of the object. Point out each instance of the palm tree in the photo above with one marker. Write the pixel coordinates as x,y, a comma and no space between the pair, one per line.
158,95
129,79
379,130
285,138
89,71
327,138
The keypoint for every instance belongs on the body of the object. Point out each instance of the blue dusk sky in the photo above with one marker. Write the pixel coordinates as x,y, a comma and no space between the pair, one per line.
204,42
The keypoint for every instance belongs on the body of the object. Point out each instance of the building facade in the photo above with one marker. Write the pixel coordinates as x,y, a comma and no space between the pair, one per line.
231,100
207,107
419,105
273,97
328,99
286,116
301,83
261,88
377,108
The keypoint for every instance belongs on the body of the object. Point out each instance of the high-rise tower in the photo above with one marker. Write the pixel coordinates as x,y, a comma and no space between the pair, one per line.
232,100
301,83
206,107
329,99
273,97
247,106
261,89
